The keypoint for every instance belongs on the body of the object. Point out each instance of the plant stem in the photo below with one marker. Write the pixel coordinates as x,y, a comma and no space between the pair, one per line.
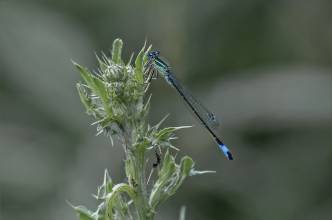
142,205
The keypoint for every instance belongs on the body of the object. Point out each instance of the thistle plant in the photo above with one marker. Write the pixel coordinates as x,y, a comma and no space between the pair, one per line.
116,97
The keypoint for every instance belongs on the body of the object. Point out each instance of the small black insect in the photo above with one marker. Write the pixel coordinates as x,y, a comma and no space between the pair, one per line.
158,160
133,182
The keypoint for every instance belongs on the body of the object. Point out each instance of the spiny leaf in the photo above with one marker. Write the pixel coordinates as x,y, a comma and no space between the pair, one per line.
85,99
96,84
197,172
159,192
85,74
145,58
186,166
102,65
161,121
171,177
165,133
101,90
147,104
130,59
112,197
139,66
108,183
106,186
83,213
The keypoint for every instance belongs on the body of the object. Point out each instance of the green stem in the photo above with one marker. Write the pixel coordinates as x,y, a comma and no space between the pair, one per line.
143,209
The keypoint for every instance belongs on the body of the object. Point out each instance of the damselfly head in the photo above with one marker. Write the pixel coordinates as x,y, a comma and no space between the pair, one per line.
153,54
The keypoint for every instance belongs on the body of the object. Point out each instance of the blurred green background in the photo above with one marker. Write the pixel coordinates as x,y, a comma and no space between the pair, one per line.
264,67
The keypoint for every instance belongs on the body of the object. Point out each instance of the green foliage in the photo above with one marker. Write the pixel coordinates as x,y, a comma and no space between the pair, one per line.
115,97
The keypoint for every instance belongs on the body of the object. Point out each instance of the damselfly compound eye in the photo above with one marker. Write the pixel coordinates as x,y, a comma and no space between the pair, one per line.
153,54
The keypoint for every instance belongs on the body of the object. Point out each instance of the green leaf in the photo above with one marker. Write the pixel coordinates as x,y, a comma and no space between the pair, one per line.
85,99
145,58
108,183
139,66
171,177
85,74
160,190
97,86
186,165
165,133
113,197
100,89
83,213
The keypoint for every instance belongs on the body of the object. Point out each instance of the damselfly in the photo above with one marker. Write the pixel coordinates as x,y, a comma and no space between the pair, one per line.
156,65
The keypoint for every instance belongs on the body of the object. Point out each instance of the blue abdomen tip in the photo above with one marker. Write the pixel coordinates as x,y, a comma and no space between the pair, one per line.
226,152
